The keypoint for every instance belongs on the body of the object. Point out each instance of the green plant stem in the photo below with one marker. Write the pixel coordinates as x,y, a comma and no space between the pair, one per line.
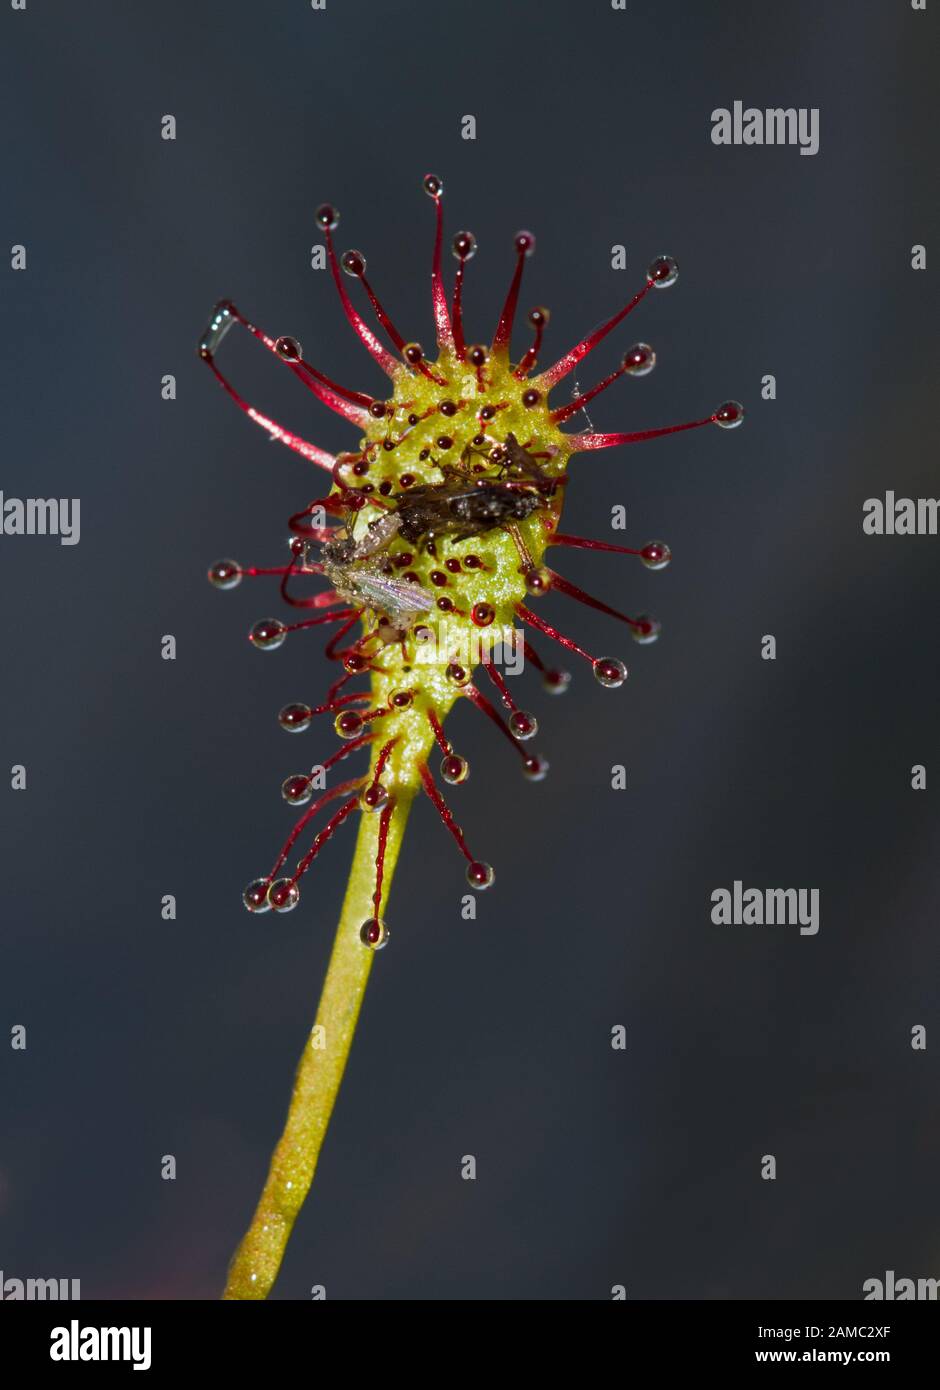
258,1258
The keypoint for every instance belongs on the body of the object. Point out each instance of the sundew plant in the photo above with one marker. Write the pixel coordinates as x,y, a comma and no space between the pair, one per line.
431,537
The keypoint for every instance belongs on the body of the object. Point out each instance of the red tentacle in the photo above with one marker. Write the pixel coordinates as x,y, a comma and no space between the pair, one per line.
293,441
581,442
552,375
525,245
328,218
445,332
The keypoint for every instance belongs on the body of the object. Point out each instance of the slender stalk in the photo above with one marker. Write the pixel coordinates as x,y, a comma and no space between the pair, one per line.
258,1257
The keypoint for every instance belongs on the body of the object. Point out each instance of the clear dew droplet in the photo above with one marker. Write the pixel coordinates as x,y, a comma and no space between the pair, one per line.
538,580
480,875
464,246
523,724
645,629
348,724
656,555
268,635
729,415
639,360
225,574
373,797
535,768
294,719
610,672
217,327
663,271
289,349
255,896
297,790
354,263
284,895
454,769
374,933
556,682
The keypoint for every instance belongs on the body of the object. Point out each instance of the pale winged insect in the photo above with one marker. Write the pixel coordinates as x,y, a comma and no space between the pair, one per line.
355,566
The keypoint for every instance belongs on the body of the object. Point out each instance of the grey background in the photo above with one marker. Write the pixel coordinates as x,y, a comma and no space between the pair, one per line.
148,777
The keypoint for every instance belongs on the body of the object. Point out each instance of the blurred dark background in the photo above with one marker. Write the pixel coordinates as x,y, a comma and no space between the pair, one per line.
148,777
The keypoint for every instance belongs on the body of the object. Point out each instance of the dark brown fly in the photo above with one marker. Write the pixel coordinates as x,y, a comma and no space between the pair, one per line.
463,505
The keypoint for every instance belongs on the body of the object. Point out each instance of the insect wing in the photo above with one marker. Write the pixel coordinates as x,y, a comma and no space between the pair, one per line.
399,600
377,535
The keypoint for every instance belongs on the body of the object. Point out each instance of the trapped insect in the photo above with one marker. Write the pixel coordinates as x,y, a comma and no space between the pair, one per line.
356,568
462,506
